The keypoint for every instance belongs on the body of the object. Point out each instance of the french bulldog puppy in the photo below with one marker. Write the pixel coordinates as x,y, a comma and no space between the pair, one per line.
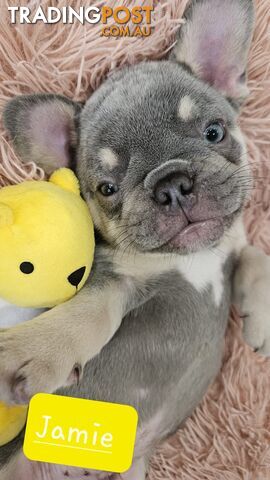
164,169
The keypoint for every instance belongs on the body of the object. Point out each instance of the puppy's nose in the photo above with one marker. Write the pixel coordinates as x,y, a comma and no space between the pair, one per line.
76,277
172,190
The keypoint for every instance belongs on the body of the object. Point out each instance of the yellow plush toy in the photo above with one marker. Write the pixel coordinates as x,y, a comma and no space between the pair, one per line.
47,249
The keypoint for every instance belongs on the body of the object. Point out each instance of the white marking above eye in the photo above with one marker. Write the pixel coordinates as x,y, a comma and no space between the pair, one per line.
186,108
108,157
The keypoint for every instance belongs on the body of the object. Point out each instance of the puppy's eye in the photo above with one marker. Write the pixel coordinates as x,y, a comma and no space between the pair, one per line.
108,189
215,132
27,267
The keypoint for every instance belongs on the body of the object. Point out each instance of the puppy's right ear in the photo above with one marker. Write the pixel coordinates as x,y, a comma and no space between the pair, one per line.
43,129
214,42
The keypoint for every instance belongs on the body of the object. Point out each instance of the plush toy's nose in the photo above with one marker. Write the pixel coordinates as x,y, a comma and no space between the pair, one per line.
76,277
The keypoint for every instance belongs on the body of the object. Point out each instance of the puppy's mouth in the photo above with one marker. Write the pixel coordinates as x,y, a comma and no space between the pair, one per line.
197,233
193,229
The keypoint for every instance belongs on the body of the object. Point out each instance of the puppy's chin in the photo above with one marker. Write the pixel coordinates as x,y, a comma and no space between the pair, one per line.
197,235
189,238
192,238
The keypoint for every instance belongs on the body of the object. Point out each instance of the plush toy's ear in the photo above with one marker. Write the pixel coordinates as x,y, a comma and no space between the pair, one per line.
6,215
66,179
43,129
214,43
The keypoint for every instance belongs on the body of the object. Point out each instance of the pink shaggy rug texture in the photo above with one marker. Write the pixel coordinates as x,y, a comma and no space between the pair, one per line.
228,437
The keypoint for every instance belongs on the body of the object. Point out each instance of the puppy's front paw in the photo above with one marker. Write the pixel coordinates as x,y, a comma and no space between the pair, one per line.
252,296
256,330
29,366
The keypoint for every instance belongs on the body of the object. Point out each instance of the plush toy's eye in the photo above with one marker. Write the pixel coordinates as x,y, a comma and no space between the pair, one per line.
27,267
215,132
108,189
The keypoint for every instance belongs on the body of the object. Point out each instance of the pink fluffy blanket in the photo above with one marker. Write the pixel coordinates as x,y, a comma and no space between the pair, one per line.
228,437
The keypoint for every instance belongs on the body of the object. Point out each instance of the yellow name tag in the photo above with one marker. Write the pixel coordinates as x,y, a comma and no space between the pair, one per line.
80,433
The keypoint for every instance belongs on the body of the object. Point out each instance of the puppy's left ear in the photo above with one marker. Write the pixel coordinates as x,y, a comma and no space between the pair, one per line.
214,43
44,129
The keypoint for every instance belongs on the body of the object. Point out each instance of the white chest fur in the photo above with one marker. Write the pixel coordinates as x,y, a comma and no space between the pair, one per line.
202,269
205,268
11,315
